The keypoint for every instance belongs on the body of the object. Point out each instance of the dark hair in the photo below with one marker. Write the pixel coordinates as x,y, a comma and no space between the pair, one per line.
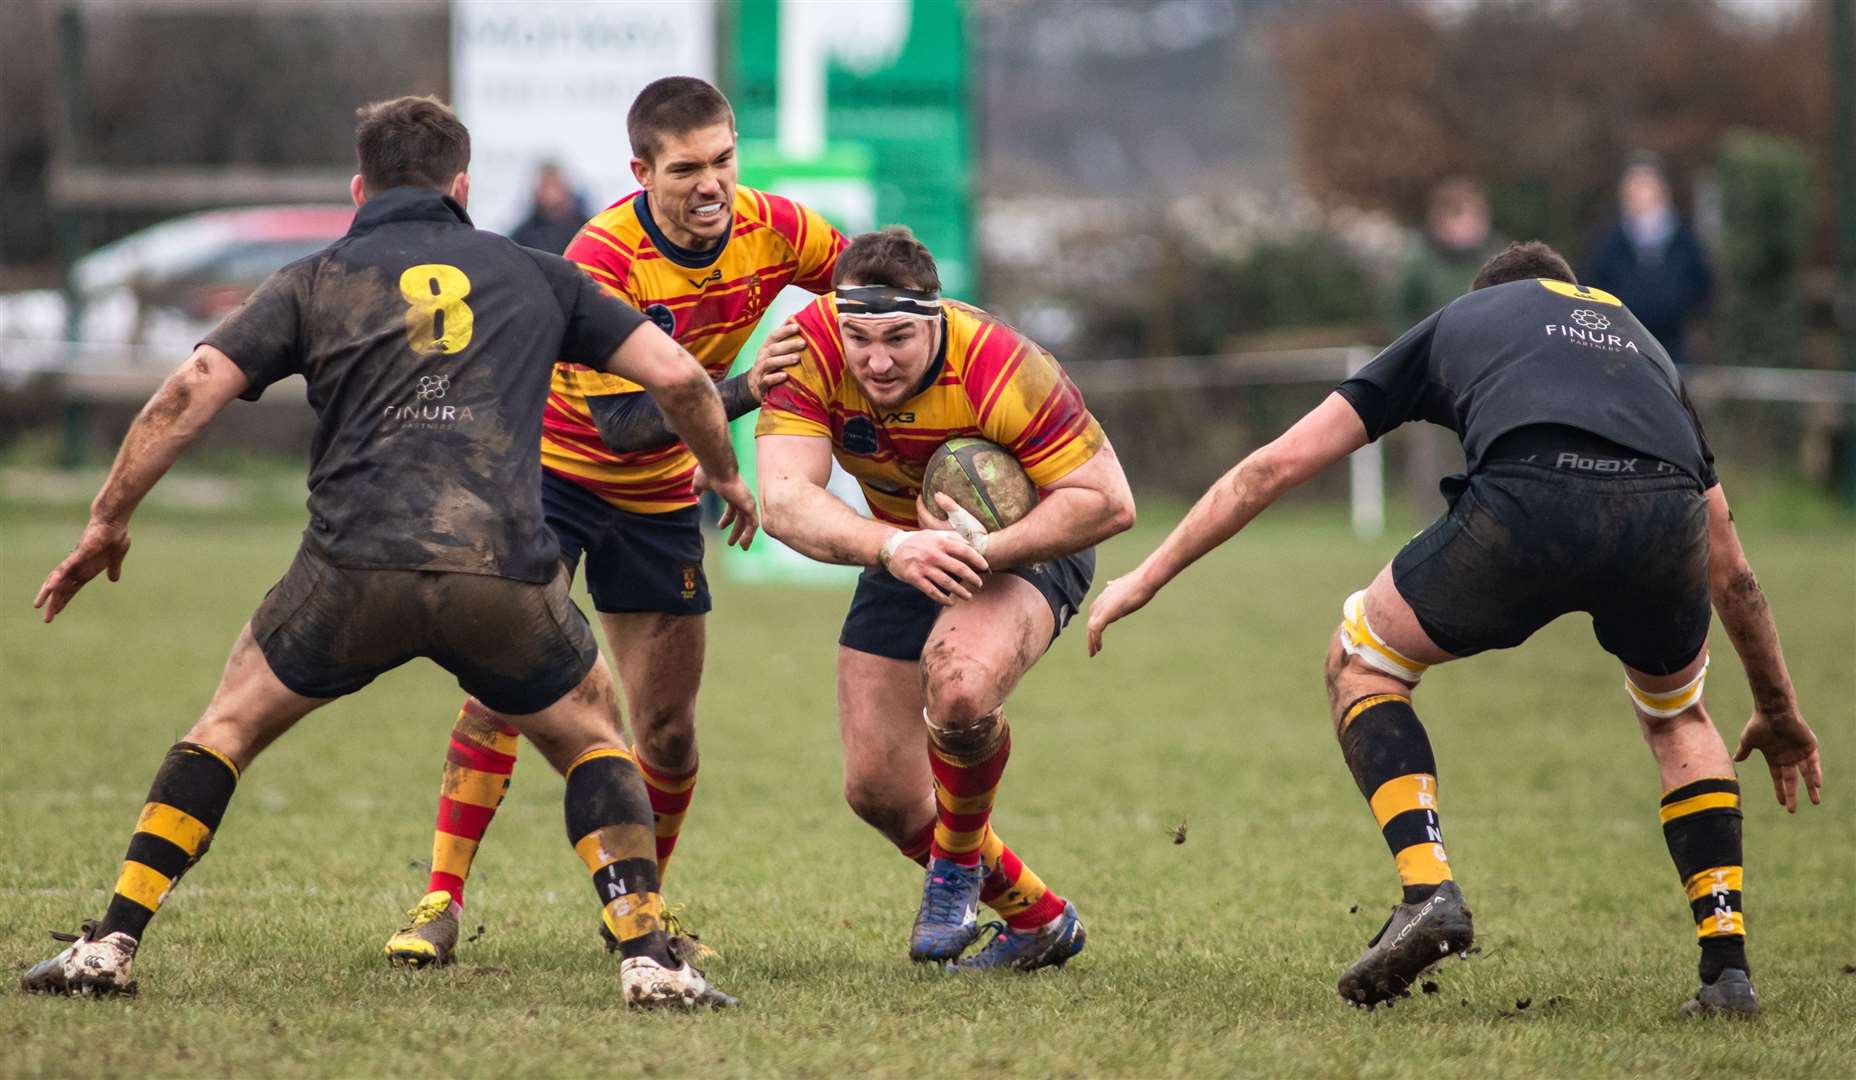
673,105
890,256
1520,261
410,142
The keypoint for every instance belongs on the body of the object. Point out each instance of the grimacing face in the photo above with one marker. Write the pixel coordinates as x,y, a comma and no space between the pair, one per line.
888,357
692,185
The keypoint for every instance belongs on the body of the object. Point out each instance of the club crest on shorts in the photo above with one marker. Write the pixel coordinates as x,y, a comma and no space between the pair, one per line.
662,316
689,582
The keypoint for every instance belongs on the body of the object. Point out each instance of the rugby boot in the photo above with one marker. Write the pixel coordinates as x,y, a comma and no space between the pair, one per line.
948,921
1730,994
89,966
648,984
1050,945
430,935
1415,937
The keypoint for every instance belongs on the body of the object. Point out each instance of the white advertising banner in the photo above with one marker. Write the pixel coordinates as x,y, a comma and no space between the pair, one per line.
550,80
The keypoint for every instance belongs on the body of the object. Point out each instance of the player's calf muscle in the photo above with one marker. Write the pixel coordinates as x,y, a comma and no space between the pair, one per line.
1349,680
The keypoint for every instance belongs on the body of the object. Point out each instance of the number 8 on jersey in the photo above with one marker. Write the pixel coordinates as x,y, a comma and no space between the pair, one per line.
437,318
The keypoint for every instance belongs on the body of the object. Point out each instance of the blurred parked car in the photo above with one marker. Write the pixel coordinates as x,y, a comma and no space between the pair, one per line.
168,284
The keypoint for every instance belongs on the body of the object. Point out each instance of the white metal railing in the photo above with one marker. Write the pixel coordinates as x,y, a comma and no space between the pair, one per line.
98,372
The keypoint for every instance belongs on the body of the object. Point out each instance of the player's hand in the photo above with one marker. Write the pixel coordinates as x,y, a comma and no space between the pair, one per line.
102,548
937,561
740,515
779,351
1791,754
949,516
1123,597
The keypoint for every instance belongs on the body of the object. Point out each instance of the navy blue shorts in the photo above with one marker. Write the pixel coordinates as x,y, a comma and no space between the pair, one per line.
892,618
634,562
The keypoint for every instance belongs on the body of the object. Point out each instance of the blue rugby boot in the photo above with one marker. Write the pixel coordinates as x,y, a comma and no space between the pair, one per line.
1050,945
949,918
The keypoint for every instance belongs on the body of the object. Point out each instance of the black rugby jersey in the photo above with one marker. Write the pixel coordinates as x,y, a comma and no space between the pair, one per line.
427,345
1534,352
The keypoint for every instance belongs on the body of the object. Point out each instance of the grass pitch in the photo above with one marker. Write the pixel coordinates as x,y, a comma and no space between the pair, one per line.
1213,957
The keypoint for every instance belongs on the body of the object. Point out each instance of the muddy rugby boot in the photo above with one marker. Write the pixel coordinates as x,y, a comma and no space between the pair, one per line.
1050,945
87,967
430,935
949,920
1414,938
648,984
1730,994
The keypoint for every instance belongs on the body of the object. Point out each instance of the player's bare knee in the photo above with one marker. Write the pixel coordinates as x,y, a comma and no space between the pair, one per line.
959,696
1657,727
1664,710
877,806
963,713
667,737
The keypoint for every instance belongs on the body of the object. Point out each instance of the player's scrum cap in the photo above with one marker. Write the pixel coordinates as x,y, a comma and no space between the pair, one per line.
886,302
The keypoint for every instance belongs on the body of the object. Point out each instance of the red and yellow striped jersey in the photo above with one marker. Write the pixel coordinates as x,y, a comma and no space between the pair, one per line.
710,301
987,380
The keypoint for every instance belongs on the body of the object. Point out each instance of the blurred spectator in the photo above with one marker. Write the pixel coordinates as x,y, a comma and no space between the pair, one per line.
1444,261
556,215
1651,258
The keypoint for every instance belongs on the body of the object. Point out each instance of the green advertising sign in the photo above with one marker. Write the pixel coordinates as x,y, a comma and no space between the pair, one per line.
859,111
894,80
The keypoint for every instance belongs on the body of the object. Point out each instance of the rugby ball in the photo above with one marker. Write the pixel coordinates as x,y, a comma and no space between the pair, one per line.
983,477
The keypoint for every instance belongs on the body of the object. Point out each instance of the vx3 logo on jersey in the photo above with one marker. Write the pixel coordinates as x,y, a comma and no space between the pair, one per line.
715,275
899,418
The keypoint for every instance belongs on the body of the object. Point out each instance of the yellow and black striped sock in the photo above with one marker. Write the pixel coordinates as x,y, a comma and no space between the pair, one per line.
185,803
1701,825
1390,757
609,823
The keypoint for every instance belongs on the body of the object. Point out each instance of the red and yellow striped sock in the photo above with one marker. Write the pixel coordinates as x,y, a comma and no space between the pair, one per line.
966,780
478,766
670,801
1012,889
917,848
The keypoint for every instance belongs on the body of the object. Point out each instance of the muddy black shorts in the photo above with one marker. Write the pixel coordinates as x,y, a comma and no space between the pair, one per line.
517,646
1523,544
892,618
634,562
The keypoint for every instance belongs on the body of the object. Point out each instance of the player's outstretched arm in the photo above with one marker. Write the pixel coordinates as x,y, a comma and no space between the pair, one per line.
687,397
802,513
1329,432
634,421
190,397
1086,506
1777,729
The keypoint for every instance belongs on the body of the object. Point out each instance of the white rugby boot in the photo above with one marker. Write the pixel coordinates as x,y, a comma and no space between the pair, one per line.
648,984
87,967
